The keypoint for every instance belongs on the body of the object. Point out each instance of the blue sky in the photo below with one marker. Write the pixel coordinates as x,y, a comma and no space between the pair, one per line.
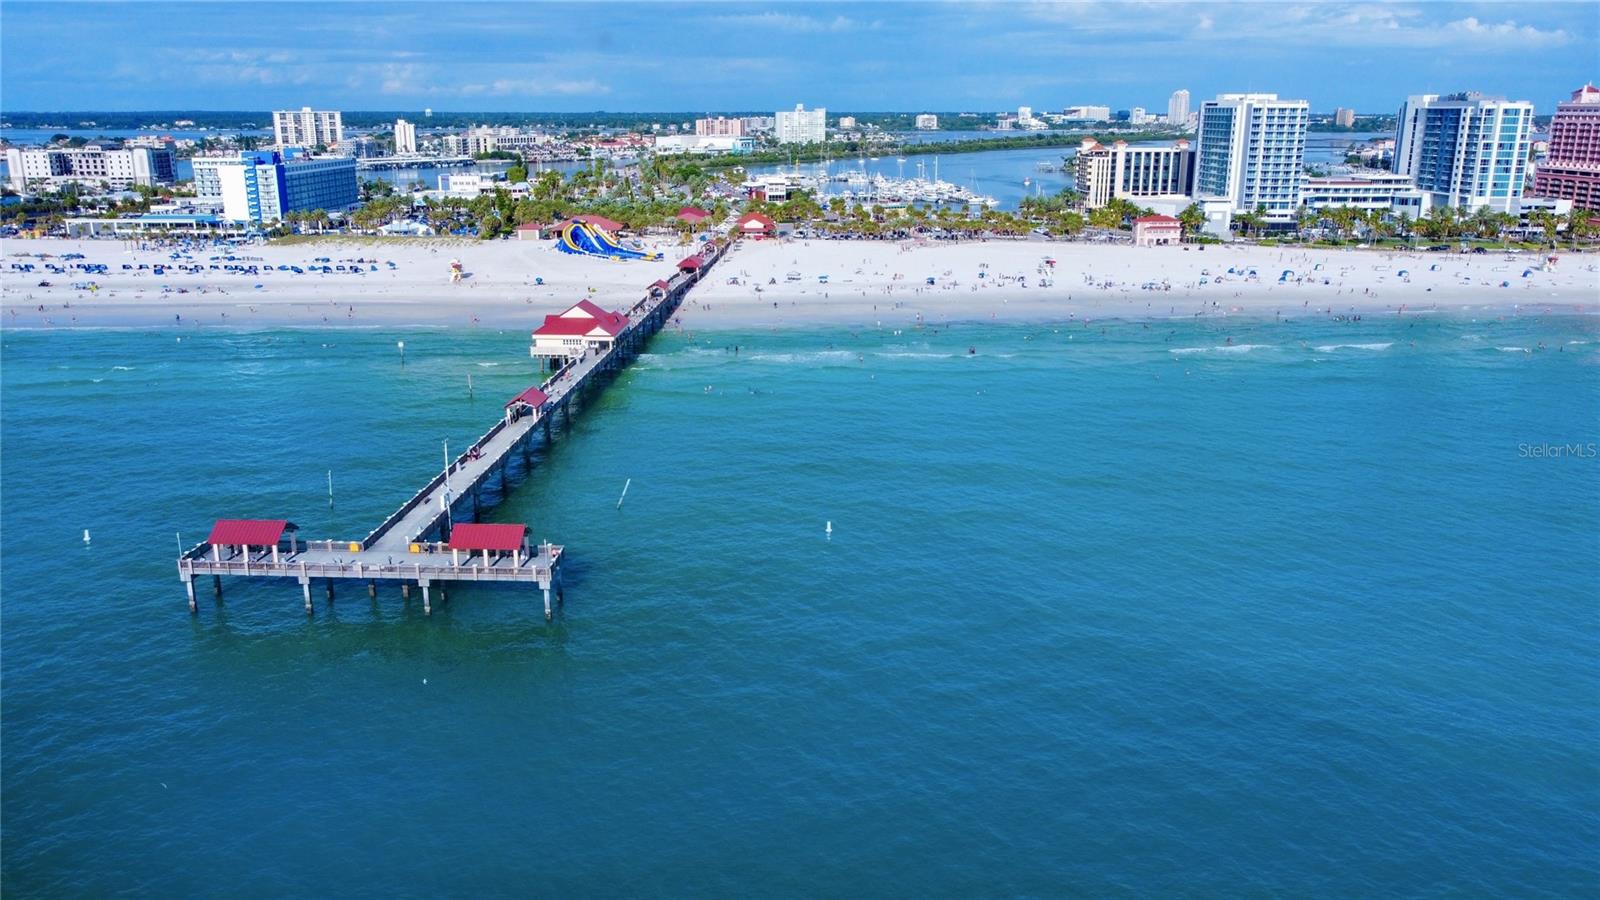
979,56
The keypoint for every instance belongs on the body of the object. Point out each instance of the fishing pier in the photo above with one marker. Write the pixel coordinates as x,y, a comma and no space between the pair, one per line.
435,538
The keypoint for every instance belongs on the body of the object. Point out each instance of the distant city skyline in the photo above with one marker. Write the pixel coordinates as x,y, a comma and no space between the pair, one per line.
751,56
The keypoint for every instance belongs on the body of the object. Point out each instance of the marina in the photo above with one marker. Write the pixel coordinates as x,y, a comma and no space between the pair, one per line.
422,542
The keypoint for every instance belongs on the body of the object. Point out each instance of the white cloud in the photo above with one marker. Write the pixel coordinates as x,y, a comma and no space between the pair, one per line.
1398,25
534,87
1522,35
791,22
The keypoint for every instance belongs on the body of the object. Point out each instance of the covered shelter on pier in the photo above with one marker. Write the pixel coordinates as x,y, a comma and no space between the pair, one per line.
493,541
531,400
246,533
690,264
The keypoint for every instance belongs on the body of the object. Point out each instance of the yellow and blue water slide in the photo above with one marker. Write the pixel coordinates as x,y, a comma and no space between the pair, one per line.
581,237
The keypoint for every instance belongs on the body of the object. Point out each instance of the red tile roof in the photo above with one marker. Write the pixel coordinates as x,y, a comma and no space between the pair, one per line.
1157,220
690,263
593,317
599,222
692,213
532,396
483,536
756,218
254,532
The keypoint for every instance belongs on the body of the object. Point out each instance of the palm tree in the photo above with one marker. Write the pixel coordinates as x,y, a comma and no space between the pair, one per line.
1548,221
1305,220
1254,220
1192,219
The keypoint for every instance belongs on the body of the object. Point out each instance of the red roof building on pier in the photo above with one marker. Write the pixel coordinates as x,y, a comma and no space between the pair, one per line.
582,326
690,264
249,532
471,536
532,397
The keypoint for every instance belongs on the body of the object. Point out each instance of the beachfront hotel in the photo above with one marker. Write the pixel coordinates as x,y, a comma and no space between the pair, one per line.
1465,150
261,187
802,126
1122,172
1384,192
91,166
1249,151
1572,170
307,127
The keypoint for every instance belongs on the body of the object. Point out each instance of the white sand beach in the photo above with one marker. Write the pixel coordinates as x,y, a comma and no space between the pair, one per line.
774,283
866,283
399,282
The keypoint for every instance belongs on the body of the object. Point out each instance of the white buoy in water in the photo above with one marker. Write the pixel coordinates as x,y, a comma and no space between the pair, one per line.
86,535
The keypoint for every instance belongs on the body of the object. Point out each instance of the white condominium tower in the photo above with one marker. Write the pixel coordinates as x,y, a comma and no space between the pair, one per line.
405,137
1249,151
1465,149
1178,108
803,126
307,127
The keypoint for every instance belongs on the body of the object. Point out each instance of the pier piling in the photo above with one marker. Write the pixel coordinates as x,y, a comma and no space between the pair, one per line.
427,607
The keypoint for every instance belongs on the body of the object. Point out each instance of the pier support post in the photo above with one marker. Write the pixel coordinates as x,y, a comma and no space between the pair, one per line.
427,607
216,585
561,597
188,584
405,590
444,593
305,588
547,604
330,590
372,588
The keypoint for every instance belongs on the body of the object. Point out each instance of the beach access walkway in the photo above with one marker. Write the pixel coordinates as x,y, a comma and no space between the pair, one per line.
436,538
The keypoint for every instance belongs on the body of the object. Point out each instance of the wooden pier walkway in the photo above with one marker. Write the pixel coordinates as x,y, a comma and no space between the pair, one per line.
413,545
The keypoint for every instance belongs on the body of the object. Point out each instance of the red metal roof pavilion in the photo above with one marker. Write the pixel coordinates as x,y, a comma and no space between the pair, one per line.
690,263
484,536
532,396
249,532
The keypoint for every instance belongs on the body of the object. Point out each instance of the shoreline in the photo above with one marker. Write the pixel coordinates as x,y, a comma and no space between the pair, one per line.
781,284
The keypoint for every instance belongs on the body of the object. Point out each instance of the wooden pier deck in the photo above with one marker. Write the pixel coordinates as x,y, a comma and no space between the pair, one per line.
412,544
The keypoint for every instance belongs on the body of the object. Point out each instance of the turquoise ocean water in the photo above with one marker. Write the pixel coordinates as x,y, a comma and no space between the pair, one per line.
1105,610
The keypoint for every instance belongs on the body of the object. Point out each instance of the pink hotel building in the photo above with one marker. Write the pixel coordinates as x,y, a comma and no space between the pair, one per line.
1572,170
